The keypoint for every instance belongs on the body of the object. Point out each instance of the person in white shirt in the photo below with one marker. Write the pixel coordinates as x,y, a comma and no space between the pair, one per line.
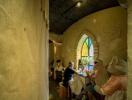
58,71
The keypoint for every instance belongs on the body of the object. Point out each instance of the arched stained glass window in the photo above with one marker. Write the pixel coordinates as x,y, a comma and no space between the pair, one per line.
87,53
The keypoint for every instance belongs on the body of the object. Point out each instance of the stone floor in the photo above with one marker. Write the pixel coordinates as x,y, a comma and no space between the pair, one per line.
53,88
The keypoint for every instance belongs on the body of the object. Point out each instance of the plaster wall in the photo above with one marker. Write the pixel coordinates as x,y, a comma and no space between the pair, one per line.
23,53
109,27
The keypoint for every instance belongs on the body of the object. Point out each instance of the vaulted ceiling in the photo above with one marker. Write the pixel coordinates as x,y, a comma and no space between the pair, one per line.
63,13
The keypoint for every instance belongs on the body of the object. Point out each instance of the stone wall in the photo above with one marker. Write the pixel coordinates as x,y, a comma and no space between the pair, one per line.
23,53
109,27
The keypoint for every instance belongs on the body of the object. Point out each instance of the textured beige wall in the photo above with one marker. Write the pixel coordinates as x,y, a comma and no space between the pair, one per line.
55,48
129,42
22,56
109,26
58,51
54,51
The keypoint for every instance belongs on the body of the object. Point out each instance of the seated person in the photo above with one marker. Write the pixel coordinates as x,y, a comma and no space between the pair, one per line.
58,71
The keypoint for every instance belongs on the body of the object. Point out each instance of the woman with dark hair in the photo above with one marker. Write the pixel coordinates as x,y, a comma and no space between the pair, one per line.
58,71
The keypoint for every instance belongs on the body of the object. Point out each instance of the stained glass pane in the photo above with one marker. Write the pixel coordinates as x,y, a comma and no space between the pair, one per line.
87,54
86,41
91,60
85,50
89,41
91,50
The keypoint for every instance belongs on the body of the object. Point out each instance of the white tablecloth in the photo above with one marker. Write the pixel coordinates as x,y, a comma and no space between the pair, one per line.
76,84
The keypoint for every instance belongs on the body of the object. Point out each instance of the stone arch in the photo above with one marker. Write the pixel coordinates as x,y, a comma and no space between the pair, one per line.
80,40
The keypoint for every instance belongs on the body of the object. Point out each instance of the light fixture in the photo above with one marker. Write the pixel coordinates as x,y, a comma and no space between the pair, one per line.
78,4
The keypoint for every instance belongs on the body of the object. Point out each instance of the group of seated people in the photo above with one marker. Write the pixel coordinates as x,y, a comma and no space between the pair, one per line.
109,82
